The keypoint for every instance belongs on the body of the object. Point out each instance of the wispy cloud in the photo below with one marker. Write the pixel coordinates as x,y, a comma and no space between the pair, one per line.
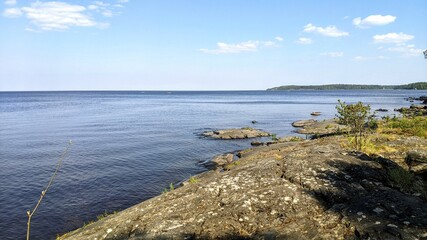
333,54
359,58
10,2
12,12
61,16
329,31
392,38
407,50
304,41
373,20
278,38
399,44
248,46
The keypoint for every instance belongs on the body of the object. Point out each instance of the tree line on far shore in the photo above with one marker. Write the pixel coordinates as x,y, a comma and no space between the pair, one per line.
410,86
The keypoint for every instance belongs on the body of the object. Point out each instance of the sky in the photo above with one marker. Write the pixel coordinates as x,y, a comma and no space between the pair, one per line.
209,45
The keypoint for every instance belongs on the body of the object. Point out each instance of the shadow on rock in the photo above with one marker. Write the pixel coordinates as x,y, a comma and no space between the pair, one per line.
365,197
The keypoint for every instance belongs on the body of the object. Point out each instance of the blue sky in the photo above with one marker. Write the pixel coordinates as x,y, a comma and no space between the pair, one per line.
209,45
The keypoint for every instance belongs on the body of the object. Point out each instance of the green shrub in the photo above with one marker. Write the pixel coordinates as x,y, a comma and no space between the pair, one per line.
355,116
416,126
274,137
193,179
401,177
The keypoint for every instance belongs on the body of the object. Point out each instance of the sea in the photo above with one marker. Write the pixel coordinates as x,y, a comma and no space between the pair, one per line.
128,146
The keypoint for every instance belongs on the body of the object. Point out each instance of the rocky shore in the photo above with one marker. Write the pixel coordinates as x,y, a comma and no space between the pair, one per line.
308,189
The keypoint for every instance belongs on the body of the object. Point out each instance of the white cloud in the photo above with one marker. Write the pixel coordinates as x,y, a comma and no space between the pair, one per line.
248,46
304,41
57,15
10,2
407,50
392,38
101,3
329,31
333,54
107,13
92,7
278,38
359,58
60,16
12,12
373,20
122,1
106,9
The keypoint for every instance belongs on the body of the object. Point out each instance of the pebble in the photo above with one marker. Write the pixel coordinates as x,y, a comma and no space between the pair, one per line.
391,225
378,210
109,230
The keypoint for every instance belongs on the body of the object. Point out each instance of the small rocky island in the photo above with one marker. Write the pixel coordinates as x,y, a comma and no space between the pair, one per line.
236,133
325,127
291,188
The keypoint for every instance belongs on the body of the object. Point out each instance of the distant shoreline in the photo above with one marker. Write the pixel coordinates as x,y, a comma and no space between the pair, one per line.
410,86
297,88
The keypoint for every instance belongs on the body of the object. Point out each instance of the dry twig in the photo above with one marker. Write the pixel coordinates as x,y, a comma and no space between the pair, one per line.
30,213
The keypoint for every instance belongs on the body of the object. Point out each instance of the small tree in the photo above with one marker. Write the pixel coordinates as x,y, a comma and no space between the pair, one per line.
355,116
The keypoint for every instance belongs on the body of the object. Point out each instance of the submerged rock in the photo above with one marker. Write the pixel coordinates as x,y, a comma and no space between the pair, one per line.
236,133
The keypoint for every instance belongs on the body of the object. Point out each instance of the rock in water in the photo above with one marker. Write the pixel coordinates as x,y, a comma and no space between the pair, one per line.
302,123
257,143
236,133
223,159
323,128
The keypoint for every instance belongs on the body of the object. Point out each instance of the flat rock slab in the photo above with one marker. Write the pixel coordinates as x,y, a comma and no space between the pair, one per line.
303,123
322,128
236,133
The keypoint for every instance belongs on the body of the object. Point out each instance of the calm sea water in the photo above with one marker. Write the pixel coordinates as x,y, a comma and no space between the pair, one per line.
129,146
